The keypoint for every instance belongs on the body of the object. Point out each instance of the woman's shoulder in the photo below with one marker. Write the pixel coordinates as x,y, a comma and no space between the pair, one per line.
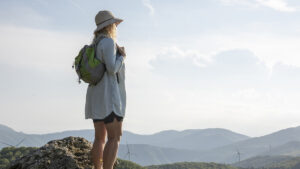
106,44
107,41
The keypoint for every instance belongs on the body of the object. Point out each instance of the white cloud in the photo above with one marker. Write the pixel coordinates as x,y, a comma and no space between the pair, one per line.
279,5
147,3
241,2
195,56
269,48
217,106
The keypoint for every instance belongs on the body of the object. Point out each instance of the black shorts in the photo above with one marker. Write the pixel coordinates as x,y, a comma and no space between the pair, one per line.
109,118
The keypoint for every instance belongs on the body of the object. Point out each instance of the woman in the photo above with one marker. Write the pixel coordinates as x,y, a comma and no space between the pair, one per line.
106,101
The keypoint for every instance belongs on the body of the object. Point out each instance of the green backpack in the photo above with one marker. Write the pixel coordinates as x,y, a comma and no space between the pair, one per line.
88,67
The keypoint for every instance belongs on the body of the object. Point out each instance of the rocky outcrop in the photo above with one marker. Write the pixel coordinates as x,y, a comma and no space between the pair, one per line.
67,153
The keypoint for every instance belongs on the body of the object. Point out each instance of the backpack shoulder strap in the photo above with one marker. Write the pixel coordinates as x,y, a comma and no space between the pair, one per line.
99,38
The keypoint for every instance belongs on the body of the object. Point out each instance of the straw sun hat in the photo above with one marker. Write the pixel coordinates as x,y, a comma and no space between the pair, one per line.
105,18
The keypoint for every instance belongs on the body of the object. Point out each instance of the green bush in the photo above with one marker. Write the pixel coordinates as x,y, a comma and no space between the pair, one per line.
9,154
124,164
191,165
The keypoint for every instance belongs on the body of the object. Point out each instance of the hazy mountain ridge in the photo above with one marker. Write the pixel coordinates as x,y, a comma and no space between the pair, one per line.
12,137
291,148
252,146
270,162
158,148
196,139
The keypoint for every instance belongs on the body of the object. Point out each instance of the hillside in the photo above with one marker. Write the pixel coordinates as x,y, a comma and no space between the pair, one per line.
252,146
291,148
262,161
293,163
217,145
67,153
191,165
71,152
144,154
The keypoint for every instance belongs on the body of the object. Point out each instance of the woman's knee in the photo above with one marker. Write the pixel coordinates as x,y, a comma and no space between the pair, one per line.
100,140
115,137
100,137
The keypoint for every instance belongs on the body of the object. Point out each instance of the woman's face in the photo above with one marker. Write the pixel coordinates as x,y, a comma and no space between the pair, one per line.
114,26
114,30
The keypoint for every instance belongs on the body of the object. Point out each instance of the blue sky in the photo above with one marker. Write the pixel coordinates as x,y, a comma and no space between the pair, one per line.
231,64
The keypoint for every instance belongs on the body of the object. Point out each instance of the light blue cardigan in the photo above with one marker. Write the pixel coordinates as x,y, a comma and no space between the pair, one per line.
108,95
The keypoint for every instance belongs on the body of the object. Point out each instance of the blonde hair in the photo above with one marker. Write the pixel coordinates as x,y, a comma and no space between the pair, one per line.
109,30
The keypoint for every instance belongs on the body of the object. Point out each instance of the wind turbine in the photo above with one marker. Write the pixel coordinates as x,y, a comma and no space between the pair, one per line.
238,153
13,145
128,152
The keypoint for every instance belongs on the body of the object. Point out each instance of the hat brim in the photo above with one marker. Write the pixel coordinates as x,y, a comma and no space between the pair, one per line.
108,22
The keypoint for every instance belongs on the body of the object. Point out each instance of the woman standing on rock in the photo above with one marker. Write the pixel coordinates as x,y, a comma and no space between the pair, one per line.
106,101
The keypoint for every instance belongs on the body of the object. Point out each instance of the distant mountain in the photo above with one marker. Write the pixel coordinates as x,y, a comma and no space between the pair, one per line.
159,148
9,137
193,139
144,154
252,146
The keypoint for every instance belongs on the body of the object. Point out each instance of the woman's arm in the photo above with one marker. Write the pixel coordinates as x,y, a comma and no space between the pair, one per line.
112,62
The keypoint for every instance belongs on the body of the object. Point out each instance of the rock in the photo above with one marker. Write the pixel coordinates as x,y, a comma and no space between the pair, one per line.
67,153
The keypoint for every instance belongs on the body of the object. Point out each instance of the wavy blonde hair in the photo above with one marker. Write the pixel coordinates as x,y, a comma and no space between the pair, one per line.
110,31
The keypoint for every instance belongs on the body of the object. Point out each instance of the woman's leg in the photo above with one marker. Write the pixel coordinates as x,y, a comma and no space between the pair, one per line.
114,133
98,145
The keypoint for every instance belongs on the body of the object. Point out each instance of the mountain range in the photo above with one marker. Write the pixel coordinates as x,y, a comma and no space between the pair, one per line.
169,146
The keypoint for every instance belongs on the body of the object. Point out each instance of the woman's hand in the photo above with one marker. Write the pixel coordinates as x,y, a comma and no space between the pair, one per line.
121,50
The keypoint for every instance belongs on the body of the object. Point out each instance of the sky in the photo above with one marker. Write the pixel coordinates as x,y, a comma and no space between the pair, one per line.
191,64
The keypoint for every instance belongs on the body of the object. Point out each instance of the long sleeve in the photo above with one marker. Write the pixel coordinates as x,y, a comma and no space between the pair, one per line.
112,62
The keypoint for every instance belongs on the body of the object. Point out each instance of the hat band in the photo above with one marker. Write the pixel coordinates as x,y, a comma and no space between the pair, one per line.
104,21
